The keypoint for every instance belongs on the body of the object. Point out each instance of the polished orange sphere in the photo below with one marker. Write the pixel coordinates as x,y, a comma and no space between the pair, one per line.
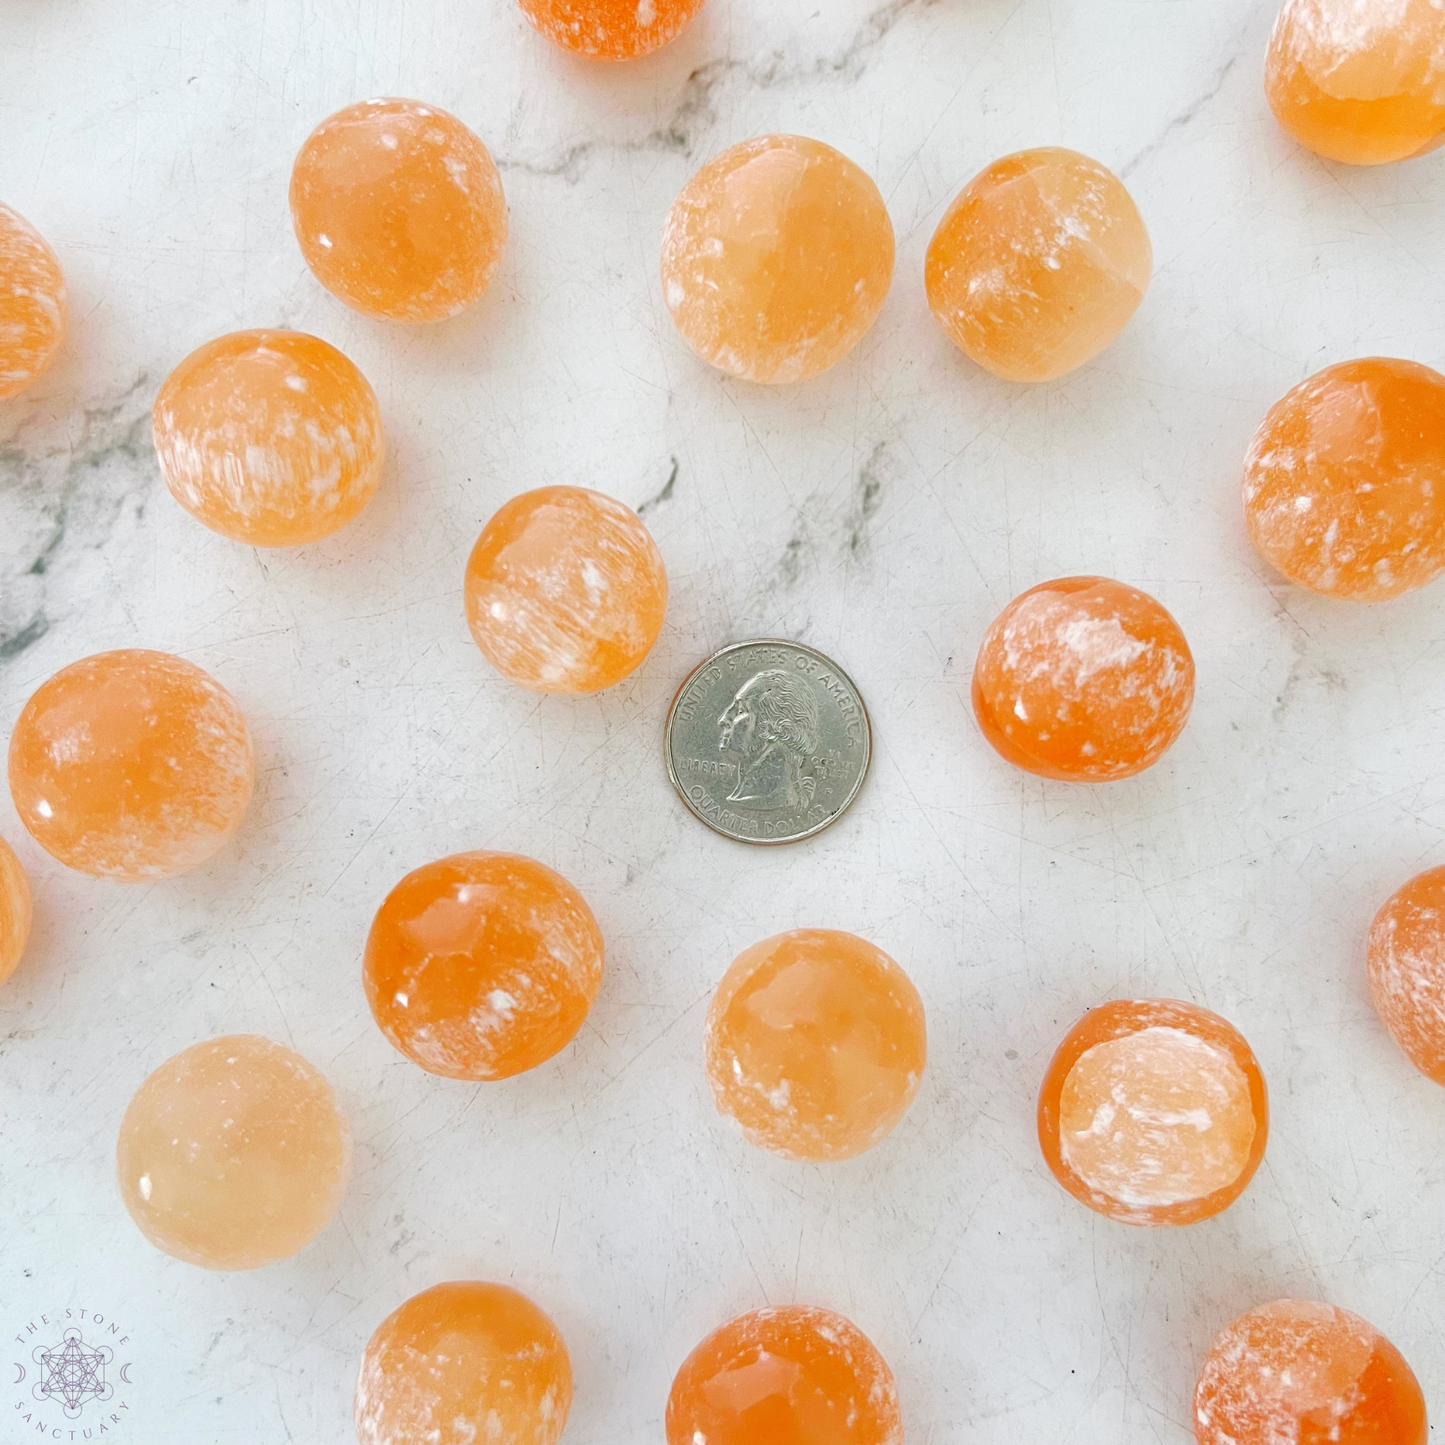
1407,970
133,765
1154,1112
482,965
786,1376
1083,679
1309,1374
233,1154
1357,81
464,1364
776,258
1038,264
399,211
15,913
1344,484
610,29
565,590
815,1044
32,303
269,437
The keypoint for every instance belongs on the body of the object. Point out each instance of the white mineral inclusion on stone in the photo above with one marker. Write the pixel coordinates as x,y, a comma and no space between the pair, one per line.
30,334
1330,34
1138,1163
1087,661
1279,1363
573,590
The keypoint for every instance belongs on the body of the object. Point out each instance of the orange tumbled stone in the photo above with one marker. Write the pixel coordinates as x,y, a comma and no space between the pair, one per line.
32,303
398,209
1038,264
465,1363
1361,81
14,910
787,1376
1154,1112
610,29
1083,679
776,258
133,765
233,1154
815,1044
1406,954
565,590
269,437
482,965
1344,483
1309,1374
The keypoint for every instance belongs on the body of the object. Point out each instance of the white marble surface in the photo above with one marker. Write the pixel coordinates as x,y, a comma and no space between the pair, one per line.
884,514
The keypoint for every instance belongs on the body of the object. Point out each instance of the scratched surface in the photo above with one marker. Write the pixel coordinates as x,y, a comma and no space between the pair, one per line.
883,514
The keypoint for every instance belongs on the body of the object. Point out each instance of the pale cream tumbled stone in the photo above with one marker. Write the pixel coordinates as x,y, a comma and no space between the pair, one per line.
233,1154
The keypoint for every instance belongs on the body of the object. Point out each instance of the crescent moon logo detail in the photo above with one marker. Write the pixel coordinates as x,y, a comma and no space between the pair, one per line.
123,1374
19,1373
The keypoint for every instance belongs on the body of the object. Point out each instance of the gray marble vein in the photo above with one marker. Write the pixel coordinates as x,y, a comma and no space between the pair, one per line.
58,502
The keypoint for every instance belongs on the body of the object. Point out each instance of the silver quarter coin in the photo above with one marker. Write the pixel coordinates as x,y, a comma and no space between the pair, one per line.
768,742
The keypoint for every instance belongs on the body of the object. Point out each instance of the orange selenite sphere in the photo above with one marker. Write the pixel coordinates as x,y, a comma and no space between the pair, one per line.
565,590
233,1154
1038,264
788,1376
269,437
1310,1374
776,258
14,910
1154,1112
1083,679
815,1044
610,29
482,965
32,303
1407,970
398,209
1361,81
464,1364
133,765
1344,484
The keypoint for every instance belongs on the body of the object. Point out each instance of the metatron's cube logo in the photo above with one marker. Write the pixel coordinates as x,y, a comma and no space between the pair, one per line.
71,1374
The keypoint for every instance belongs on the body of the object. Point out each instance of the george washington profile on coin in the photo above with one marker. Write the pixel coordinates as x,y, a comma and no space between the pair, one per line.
772,726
